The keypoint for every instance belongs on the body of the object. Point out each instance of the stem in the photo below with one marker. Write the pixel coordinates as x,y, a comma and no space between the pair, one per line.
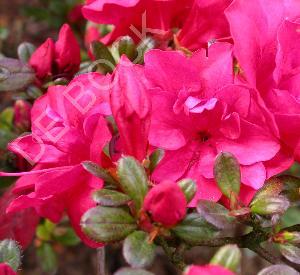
175,256
101,270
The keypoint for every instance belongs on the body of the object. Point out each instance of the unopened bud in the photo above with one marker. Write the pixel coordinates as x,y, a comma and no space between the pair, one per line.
22,111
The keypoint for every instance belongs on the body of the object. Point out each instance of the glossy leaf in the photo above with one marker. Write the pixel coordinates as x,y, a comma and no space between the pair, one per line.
189,188
25,50
270,205
14,74
10,254
107,224
290,252
155,158
133,180
216,214
138,251
103,56
126,46
279,269
194,228
47,258
227,174
132,271
228,256
107,197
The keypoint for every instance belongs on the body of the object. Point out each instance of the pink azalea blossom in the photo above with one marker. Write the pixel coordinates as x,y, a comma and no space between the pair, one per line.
166,203
131,108
59,59
198,112
267,50
5,269
208,270
68,127
205,24
18,226
135,17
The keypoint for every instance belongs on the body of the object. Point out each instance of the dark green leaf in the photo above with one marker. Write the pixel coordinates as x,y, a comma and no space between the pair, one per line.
278,270
104,58
133,180
228,256
290,252
47,258
216,214
137,250
126,46
10,254
270,205
67,238
227,174
25,50
194,228
272,187
108,224
132,271
107,197
14,74
155,158
99,172
189,188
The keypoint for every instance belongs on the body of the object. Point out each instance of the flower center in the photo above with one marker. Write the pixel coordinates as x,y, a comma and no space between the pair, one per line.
204,136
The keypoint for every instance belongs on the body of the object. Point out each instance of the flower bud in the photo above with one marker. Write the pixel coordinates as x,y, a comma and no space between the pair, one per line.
22,111
166,203
287,237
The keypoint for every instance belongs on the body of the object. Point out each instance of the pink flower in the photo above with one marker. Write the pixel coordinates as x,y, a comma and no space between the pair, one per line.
19,226
22,115
134,17
60,59
198,112
5,269
207,270
68,127
166,203
131,108
205,23
267,49
75,14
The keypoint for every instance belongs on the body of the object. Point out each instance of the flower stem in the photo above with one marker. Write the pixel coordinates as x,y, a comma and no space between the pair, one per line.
101,269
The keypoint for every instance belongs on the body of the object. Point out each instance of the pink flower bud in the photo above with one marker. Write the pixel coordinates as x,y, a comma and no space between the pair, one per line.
22,111
166,203
208,270
41,59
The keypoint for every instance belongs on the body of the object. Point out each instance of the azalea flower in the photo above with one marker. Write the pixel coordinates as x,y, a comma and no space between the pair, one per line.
135,17
267,50
198,112
18,226
57,59
207,270
205,23
68,127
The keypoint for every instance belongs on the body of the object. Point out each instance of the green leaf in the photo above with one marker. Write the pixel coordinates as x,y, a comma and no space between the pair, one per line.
279,269
137,250
290,252
43,233
10,254
47,258
189,188
6,119
194,228
270,205
25,50
126,46
272,187
216,214
108,224
68,238
155,158
228,256
103,56
132,271
146,45
107,197
227,174
133,180
14,74
99,172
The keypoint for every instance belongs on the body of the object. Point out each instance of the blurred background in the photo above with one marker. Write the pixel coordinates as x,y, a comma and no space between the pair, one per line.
33,21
